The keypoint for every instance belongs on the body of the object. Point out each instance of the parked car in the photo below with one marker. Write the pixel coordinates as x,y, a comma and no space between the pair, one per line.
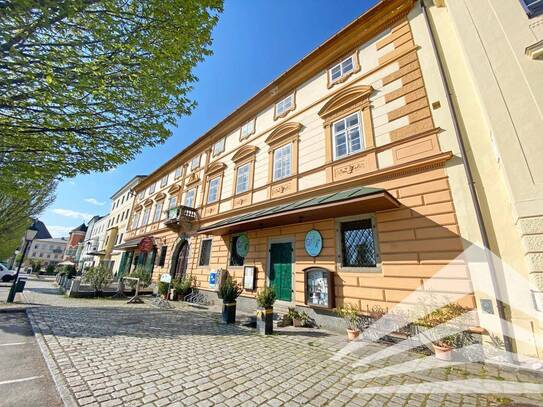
6,274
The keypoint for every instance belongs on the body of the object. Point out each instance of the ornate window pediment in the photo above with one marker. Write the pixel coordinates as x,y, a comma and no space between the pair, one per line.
174,188
346,99
284,132
244,152
160,196
215,167
148,202
192,179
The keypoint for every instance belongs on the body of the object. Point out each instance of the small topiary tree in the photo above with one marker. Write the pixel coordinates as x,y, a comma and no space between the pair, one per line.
98,278
142,274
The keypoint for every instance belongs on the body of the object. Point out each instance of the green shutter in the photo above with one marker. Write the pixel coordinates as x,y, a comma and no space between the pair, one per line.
281,270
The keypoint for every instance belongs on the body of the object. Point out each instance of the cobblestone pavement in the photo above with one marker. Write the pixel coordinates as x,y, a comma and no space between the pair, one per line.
108,353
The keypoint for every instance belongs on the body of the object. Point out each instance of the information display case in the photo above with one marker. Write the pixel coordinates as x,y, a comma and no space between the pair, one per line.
319,288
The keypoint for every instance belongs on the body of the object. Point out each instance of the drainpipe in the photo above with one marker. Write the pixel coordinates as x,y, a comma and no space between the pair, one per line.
478,213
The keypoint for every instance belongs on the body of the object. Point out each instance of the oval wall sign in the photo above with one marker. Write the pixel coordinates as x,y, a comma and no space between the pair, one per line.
146,244
242,245
313,243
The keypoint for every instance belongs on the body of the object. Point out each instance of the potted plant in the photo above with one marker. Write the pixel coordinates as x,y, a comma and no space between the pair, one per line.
443,346
265,299
229,291
295,317
352,319
183,286
163,289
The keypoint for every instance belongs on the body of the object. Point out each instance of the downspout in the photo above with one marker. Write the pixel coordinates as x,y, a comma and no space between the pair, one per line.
478,213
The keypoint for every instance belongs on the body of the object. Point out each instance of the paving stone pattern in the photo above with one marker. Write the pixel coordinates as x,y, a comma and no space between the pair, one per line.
107,353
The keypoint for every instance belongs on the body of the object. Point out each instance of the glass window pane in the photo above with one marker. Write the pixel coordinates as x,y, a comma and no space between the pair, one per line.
347,65
339,126
212,195
352,120
354,137
358,244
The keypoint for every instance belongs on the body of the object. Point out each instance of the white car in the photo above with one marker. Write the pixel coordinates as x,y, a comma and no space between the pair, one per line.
6,274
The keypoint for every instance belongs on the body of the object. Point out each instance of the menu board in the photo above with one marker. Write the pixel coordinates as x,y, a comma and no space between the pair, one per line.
318,290
249,277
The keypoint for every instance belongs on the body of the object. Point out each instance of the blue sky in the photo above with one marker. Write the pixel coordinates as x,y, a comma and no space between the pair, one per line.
254,42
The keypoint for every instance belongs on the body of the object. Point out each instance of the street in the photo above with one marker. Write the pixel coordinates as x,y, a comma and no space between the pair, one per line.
108,353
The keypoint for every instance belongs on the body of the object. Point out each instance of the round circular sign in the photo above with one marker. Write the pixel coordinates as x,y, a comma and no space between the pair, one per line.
146,244
242,245
313,243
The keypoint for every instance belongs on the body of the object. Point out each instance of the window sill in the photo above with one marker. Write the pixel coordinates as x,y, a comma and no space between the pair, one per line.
378,270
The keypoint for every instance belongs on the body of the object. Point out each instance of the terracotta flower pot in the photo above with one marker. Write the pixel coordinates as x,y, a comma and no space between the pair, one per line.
443,352
296,322
352,334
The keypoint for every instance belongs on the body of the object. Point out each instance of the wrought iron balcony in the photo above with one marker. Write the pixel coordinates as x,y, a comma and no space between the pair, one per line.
181,217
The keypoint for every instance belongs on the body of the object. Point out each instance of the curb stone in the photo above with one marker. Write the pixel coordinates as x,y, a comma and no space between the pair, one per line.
65,394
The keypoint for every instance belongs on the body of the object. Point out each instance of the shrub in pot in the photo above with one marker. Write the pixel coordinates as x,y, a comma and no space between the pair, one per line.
98,278
265,299
442,317
229,291
183,286
163,289
142,274
352,319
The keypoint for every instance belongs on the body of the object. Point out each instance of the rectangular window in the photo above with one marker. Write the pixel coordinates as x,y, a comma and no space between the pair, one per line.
283,106
533,7
152,188
205,252
120,238
178,172
189,198
218,147
135,220
282,162
195,163
162,257
146,213
247,129
235,258
337,71
358,246
141,195
213,191
158,211
242,179
164,181
346,135
172,202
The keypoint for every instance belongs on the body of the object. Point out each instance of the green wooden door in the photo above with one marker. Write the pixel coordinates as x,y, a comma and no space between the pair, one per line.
281,270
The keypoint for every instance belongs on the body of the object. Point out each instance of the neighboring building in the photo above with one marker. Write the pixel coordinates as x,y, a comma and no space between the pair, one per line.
492,54
355,148
47,251
76,236
121,204
92,247
43,232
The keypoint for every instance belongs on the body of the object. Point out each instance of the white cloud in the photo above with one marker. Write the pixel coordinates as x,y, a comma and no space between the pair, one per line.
94,201
60,231
72,214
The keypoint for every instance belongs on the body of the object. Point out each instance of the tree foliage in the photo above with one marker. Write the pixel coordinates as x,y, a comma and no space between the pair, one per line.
17,208
86,84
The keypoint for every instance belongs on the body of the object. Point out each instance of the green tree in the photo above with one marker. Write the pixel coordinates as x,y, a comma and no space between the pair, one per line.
98,278
86,84
25,200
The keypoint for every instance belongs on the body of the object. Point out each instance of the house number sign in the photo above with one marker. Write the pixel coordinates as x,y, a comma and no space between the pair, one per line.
313,243
242,245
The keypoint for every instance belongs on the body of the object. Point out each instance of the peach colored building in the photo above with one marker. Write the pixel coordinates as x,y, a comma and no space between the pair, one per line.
342,181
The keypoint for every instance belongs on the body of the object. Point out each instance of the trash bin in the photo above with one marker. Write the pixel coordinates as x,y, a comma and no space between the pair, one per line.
20,285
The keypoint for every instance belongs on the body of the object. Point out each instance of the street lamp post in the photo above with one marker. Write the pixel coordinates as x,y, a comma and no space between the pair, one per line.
30,234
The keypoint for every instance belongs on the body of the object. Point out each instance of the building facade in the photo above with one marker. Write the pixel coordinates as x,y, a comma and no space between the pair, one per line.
75,237
344,181
491,55
92,246
121,204
47,251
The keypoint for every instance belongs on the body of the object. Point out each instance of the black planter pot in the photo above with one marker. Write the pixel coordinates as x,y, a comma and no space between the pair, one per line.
264,320
229,312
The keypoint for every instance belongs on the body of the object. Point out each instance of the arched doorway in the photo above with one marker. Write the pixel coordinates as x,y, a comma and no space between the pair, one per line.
180,260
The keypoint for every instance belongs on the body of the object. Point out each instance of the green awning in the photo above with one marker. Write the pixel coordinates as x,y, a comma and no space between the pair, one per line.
353,201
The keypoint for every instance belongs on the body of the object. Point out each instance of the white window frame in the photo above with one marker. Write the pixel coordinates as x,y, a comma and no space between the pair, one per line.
192,194
347,131
219,146
136,220
248,177
195,162
170,199
282,108
342,70
247,129
146,216
164,180
200,254
158,211
152,188
287,169
217,184
178,172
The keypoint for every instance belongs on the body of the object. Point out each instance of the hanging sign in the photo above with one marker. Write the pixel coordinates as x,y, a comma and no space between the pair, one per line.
313,243
166,278
212,279
146,244
242,245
